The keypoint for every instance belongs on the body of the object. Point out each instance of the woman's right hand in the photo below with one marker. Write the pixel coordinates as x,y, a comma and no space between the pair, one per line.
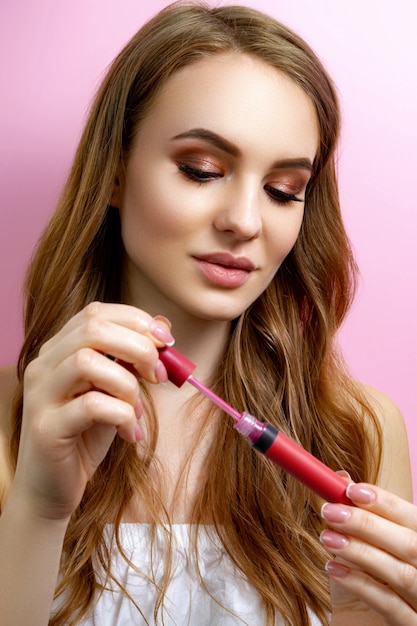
76,399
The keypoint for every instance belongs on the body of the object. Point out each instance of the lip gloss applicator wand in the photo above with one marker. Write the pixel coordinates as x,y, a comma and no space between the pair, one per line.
264,437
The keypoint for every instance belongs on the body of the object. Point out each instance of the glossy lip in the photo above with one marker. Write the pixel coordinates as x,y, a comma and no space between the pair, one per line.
225,270
228,260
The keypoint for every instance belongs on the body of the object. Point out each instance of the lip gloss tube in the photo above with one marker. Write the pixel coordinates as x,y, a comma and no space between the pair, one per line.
264,437
286,453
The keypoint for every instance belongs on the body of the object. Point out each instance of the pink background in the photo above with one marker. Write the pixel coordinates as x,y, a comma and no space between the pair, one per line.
53,55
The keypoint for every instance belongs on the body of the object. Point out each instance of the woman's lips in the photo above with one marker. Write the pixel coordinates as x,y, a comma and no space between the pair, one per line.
225,270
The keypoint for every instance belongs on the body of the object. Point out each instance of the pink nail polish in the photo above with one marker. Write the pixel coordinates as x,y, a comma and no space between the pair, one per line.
333,540
162,318
360,494
162,333
336,513
138,408
336,569
138,433
161,373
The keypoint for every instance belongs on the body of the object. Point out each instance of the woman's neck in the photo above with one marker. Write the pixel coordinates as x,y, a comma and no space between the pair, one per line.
203,343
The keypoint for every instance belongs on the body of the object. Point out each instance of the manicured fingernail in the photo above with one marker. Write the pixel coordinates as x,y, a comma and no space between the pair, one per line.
162,318
336,569
161,373
333,540
162,333
335,513
344,473
138,408
360,494
138,433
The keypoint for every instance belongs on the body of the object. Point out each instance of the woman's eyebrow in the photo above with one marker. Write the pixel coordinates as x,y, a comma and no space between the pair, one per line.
301,163
210,136
230,148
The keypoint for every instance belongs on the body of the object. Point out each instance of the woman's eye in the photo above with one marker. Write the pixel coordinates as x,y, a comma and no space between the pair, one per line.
277,195
197,174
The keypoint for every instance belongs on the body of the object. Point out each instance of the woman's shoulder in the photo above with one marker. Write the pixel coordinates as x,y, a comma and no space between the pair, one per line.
8,383
395,473
384,407
386,410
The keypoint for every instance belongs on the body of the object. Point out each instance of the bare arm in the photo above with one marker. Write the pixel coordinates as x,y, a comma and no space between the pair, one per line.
76,400
30,550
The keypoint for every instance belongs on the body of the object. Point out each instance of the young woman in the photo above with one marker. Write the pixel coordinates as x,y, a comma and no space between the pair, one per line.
202,206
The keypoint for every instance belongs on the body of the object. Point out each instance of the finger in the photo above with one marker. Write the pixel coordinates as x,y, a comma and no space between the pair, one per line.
399,575
86,370
390,536
157,329
123,314
112,339
381,598
88,410
384,503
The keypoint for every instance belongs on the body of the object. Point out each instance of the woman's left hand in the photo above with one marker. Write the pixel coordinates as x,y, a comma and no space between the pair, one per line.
375,544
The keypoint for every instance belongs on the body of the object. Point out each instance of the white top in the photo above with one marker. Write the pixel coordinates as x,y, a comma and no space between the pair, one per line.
186,602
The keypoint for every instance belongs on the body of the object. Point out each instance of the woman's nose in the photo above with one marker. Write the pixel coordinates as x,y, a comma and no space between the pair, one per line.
240,214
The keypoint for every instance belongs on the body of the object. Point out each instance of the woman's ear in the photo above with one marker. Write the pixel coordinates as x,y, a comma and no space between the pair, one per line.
117,193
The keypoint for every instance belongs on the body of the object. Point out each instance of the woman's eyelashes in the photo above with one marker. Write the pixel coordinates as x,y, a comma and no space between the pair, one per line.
197,174
282,197
203,175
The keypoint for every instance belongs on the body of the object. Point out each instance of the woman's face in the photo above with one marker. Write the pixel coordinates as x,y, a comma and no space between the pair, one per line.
211,198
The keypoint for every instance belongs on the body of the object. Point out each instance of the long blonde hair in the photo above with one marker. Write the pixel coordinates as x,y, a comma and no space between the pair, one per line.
282,361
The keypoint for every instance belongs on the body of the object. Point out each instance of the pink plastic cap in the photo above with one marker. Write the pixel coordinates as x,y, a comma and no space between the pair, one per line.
178,367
